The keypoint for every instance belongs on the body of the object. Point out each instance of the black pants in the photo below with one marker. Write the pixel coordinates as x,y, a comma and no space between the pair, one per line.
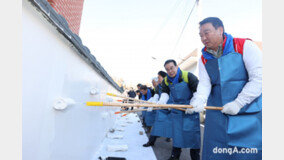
152,139
143,122
194,153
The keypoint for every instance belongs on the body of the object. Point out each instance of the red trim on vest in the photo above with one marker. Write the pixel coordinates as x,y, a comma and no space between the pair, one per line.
238,46
204,61
224,43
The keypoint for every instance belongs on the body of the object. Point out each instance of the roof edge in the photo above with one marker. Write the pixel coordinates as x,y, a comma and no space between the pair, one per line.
62,27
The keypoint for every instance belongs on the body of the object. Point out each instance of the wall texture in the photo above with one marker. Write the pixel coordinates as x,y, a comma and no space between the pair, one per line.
52,69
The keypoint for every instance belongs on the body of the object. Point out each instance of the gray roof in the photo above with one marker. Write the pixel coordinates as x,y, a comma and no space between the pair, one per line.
62,27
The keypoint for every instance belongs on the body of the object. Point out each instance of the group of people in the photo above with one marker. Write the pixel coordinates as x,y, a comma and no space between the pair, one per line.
230,76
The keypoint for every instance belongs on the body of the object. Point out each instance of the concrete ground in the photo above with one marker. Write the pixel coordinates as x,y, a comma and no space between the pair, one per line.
130,145
162,148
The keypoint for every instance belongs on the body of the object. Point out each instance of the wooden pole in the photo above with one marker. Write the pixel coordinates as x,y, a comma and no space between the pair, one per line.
138,100
137,110
147,105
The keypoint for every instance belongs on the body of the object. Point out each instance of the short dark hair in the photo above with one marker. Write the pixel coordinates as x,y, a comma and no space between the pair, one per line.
162,73
137,91
139,85
215,21
169,61
144,87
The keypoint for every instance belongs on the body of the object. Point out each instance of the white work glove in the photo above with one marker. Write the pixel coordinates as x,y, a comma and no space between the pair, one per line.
189,111
197,102
149,109
164,99
155,98
231,108
150,100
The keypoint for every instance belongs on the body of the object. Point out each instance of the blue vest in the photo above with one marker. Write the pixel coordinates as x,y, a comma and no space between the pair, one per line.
145,98
163,123
148,96
160,89
228,76
149,117
186,127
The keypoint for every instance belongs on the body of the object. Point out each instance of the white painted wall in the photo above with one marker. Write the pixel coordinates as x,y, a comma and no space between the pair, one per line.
190,65
52,69
192,69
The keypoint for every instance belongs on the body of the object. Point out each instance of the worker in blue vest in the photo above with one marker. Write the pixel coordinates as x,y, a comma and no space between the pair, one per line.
230,74
162,125
149,117
142,115
178,88
138,92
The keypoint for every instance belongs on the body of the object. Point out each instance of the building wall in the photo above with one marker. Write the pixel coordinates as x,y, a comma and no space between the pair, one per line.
52,69
71,10
193,69
190,65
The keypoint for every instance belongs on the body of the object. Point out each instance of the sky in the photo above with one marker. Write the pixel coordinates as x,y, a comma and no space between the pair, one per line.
133,38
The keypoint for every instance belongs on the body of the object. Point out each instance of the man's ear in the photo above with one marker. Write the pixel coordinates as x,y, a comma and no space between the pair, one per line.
220,30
